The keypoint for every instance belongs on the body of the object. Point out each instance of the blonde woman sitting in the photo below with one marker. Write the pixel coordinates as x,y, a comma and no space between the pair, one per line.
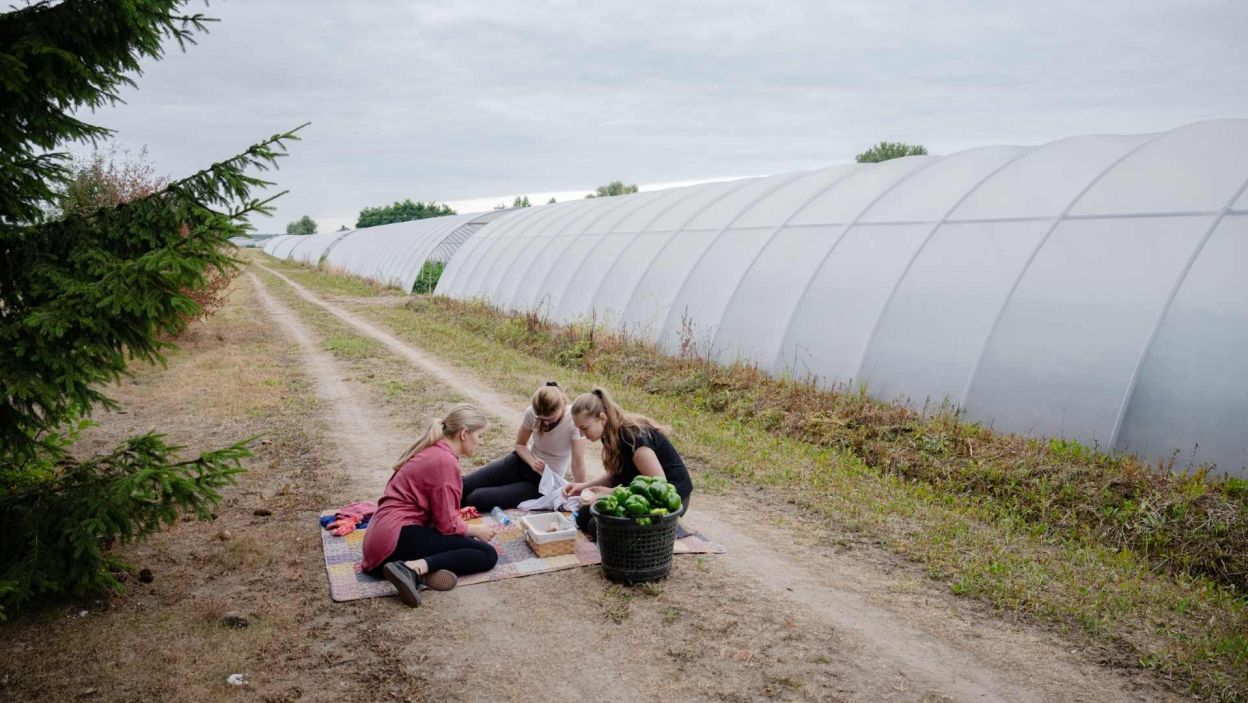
546,440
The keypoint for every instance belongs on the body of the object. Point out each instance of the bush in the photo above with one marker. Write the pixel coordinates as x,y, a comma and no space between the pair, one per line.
429,276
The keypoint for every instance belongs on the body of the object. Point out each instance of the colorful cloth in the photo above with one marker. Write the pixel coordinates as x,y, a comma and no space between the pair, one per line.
515,559
349,517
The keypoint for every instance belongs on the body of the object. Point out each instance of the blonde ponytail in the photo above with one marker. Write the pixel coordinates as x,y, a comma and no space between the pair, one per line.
461,417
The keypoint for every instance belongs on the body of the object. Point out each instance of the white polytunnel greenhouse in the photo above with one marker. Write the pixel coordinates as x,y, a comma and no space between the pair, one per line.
1092,288
392,255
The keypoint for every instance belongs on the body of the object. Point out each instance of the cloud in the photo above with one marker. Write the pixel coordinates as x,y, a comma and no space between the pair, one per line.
455,101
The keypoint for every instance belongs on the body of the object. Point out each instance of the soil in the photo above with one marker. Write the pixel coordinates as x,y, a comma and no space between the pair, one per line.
789,613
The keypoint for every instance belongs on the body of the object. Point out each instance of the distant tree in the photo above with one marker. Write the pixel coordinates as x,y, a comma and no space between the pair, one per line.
889,150
551,201
613,188
401,212
303,225
521,202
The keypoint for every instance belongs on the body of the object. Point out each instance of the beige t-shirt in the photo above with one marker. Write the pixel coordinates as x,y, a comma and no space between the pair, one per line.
553,447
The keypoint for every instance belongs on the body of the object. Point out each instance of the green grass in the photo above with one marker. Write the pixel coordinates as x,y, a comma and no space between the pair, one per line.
1050,529
349,346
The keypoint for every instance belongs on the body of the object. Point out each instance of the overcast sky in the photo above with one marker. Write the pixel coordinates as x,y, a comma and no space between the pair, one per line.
472,103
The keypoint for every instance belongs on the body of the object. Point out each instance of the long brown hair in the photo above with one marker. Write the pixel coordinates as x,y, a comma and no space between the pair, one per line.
547,400
461,417
620,426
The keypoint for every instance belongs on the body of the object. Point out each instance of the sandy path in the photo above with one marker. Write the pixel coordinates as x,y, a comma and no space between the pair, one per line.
936,647
364,440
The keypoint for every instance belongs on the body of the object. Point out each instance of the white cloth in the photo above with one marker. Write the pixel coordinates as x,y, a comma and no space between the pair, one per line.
553,447
551,488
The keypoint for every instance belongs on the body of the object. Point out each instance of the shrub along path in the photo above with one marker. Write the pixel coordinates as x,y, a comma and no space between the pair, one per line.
887,632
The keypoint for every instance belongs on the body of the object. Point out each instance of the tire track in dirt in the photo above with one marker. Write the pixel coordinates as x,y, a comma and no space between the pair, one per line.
365,444
352,426
888,658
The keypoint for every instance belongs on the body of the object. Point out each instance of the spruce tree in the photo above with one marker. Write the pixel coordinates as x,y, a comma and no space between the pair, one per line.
82,295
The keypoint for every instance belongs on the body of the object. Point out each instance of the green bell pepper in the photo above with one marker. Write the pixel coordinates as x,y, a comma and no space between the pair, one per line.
637,505
657,493
644,521
607,505
621,493
672,501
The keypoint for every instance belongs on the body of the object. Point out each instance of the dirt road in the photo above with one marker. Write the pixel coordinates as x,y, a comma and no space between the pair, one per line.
777,617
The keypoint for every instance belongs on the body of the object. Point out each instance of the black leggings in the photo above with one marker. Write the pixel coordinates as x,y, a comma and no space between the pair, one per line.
459,553
505,482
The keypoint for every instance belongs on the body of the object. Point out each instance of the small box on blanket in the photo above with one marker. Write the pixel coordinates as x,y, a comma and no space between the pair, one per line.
547,535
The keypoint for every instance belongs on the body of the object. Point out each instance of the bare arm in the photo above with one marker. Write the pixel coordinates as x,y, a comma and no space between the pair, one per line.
647,462
578,459
523,451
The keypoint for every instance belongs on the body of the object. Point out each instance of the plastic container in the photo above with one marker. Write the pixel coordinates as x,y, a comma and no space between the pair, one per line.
500,517
633,553
547,543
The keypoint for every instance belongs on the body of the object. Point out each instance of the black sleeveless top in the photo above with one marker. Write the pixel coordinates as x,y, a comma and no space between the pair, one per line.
674,468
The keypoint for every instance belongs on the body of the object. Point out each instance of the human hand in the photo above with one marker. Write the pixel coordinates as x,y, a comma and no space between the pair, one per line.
483,531
573,489
538,465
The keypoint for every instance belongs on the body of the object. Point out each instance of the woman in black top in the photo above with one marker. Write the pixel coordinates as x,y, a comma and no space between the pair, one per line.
632,445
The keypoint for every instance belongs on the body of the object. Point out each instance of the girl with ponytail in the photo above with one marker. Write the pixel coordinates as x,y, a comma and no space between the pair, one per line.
546,441
417,539
632,445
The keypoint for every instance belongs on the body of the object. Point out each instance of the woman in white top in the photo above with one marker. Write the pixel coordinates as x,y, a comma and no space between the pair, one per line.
547,439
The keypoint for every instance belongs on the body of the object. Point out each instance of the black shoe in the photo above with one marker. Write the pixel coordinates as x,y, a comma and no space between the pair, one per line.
406,580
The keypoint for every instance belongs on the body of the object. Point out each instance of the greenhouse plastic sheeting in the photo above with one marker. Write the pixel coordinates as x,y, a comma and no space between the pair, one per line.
1090,288
308,249
391,255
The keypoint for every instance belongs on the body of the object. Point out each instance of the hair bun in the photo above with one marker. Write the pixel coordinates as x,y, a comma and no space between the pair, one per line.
553,383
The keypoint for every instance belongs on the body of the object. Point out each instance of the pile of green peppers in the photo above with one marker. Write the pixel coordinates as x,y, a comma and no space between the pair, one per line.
646,498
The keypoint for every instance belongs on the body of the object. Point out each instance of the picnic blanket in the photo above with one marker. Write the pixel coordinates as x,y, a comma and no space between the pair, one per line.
515,558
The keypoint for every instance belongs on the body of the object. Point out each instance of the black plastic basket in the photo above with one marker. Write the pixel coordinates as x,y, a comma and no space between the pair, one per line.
633,553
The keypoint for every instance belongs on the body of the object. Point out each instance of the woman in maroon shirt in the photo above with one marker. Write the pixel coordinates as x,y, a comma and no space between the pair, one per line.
417,519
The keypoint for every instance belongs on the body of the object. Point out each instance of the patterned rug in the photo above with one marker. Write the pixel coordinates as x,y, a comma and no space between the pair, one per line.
515,558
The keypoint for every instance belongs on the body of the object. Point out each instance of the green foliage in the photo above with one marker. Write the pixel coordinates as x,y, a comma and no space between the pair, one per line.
521,202
611,189
55,59
61,516
427,281
401,212
551,201
303,225
82,295
889,150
